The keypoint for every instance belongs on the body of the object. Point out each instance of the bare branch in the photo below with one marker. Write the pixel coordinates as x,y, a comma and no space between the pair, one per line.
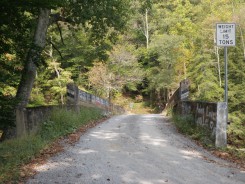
56,48
60,31
57,17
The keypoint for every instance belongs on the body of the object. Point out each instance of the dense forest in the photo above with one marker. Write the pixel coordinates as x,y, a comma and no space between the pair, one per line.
115,47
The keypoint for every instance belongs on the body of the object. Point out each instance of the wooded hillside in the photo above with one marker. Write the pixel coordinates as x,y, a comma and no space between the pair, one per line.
113,47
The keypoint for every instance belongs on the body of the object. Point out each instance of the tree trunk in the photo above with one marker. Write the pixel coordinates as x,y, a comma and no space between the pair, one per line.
33,57
216,50
241,31
146,28
242,40
218,59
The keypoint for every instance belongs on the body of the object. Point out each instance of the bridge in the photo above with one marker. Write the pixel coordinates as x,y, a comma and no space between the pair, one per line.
209,115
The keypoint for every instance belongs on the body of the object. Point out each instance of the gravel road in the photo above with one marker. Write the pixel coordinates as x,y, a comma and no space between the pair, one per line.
139,149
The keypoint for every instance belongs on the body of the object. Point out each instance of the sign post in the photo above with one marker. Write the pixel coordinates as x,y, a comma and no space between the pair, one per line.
226,37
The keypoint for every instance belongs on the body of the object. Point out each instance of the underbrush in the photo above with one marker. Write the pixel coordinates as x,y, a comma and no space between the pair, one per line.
236,130
136,105
236,136
16,152
232,152
187,126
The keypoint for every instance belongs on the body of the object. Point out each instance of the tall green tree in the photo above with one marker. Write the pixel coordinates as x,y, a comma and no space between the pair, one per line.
122,70
15,30
95,16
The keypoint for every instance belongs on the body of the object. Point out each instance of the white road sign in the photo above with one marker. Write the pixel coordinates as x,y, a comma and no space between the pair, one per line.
225,34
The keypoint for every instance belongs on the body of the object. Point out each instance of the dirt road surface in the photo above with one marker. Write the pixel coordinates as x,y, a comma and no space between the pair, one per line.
136,149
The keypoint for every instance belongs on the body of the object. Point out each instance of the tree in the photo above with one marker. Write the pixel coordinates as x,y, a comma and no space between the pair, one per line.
139,22
58,84
121,70
93,15
101,79
33,57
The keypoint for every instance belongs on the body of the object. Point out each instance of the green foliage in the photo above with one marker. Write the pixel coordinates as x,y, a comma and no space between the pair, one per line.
162,72
181,45
62,122
187,126
236,130
7,117
205,85
15,37
122,70
37,98
99,16
34,4
16,152
100,20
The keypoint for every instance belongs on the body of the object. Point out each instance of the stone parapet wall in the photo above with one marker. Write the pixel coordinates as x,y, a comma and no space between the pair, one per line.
76,96
209,115
204,113
29,120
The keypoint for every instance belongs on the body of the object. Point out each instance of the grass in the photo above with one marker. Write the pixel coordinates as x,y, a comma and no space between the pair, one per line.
141,108
187,126
17,152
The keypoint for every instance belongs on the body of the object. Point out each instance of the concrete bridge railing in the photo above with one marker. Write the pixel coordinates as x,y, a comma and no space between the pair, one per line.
28,120
75,96
210,115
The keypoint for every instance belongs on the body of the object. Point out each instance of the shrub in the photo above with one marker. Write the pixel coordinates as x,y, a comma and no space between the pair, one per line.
187,126
16,152
236,130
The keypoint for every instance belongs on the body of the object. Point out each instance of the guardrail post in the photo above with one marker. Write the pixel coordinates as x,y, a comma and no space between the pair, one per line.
221,125
20,123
